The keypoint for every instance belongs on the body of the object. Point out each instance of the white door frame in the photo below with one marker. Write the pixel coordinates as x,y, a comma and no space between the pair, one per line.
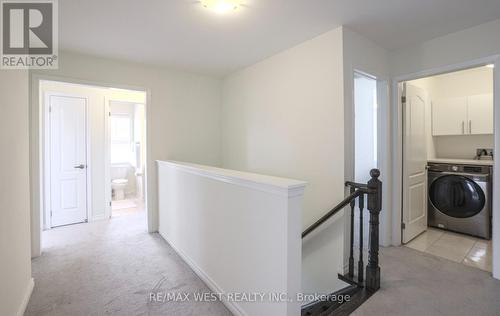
397,141
37,159
46,197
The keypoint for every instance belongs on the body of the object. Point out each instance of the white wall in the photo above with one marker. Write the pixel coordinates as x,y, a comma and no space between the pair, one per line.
461,147
284,116
15,263
183,111
463,83
240,232
463,46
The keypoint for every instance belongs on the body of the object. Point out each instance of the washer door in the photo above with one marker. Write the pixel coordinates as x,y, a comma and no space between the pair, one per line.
457,196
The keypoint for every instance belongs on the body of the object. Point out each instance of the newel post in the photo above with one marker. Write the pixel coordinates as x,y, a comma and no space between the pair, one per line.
374,206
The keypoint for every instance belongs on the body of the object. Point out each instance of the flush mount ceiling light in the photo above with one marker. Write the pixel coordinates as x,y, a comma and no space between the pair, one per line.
221,6
491,66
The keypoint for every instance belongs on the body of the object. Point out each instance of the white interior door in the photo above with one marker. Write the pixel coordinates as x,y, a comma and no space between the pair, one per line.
68,159
414,163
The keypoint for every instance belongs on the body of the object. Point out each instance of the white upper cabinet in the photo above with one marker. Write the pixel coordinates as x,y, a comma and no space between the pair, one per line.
470,115
449,116
480,114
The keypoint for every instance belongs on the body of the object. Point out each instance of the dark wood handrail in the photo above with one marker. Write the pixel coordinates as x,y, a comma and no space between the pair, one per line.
334,211
356,185
368,280
373,190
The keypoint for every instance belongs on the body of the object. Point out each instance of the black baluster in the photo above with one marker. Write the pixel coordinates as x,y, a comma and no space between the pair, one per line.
351,254
360,261
374,206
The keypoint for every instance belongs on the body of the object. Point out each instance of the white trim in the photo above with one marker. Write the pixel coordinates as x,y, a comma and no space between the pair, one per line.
273,185
107,158
396,144
26,297
233,306
496,173
88,169
46,163
384,157
150,197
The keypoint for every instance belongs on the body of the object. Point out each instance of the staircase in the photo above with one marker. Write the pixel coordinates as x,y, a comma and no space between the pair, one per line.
367,279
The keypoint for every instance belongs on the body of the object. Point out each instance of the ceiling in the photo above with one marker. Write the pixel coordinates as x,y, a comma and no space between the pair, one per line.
184,35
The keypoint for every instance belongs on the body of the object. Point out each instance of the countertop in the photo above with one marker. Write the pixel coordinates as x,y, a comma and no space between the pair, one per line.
463,161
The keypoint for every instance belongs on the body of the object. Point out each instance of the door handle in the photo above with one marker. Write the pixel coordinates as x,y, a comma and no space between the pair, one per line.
82,166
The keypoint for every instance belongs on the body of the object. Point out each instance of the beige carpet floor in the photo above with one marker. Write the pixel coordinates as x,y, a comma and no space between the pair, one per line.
110,268
420,284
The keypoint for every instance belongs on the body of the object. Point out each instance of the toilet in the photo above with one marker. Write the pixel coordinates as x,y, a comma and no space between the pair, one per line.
118,186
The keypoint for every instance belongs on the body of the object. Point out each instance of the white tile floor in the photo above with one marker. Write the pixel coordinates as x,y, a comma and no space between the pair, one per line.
468,250
126,207
121,204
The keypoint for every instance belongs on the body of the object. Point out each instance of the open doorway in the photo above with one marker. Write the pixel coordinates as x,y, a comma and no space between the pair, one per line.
91,136
366,126
447,177
365,140
127,156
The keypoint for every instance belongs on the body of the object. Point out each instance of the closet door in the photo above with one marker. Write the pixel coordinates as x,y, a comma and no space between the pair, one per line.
449,116
480,114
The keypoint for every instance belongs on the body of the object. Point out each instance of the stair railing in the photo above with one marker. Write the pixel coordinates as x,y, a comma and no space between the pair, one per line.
373,190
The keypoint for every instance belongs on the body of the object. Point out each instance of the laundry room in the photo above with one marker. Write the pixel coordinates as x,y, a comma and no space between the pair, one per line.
448,141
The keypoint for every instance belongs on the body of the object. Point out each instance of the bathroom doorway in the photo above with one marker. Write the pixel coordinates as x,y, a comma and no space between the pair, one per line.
126,139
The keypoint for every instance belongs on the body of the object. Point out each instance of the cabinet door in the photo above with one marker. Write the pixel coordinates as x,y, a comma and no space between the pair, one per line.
449,116
480,114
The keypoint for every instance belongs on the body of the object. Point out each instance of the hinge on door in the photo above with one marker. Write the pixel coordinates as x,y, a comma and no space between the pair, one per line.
109,203
50,213
50,109
109,113
403,226
403,99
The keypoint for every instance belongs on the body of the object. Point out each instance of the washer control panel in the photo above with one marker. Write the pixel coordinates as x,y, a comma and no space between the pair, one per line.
470,169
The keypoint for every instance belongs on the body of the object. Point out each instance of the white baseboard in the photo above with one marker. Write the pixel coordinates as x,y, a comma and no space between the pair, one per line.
26,298
234,307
